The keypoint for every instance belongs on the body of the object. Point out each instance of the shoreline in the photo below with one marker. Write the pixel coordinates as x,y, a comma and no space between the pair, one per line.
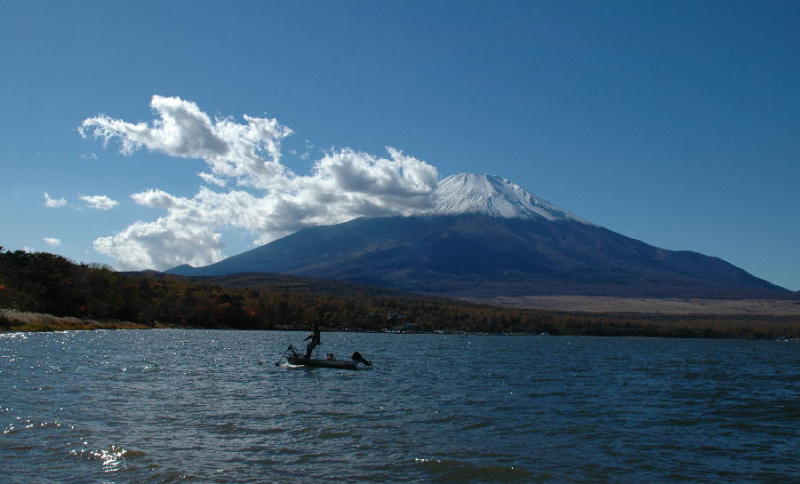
29,322
12,321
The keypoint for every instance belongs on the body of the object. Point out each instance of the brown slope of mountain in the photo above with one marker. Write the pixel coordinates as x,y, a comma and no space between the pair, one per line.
482,256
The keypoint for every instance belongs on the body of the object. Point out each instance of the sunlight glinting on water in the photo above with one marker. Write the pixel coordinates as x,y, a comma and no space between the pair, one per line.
168,405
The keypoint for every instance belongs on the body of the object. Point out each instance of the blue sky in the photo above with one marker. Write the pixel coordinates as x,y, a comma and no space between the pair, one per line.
676,123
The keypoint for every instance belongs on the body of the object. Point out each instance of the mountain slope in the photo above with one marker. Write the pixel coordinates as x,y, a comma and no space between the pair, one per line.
479,255
486,236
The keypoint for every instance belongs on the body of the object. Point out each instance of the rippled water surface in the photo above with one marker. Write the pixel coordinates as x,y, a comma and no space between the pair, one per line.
174,405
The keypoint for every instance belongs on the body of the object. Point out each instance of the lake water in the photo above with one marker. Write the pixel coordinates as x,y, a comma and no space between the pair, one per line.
211,406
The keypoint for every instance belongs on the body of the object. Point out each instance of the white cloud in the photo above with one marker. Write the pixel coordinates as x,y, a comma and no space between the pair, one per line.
99,202
88,155
249,152
211,179
53,202
160,244
51,241
271,201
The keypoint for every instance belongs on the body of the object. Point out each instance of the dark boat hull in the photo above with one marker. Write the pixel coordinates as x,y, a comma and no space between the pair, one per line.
341,364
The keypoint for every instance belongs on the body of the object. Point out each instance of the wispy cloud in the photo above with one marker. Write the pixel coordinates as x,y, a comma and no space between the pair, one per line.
51,241
212,180
53,202
99,202
271,200
306,153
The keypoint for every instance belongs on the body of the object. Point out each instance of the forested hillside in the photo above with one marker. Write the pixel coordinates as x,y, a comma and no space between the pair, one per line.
48,283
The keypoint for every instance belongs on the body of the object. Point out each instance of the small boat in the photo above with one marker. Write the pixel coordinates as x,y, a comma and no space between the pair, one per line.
299,359
302,360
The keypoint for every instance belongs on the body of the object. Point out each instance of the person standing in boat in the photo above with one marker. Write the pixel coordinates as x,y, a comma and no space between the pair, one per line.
315,340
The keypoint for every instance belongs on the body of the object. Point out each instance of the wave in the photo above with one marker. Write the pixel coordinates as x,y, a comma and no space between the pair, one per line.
444,470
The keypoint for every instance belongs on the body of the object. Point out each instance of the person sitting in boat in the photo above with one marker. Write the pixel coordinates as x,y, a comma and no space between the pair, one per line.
330,356
315,341
360,359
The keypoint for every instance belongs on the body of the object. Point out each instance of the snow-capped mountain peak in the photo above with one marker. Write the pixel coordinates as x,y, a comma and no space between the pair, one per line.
494,196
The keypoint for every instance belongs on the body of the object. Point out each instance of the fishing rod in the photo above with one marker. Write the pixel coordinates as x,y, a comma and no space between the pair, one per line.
287,350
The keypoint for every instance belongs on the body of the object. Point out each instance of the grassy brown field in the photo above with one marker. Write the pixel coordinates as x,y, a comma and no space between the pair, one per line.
662,306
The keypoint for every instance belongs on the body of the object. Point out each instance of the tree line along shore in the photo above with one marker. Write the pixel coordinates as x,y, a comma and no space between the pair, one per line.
45,292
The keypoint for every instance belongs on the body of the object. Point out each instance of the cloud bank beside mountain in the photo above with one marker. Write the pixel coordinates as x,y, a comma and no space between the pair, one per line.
269,200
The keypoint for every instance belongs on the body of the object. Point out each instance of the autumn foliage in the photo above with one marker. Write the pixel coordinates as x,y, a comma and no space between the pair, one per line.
47,283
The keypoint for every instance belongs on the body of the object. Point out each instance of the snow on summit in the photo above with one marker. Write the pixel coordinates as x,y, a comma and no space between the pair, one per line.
494,196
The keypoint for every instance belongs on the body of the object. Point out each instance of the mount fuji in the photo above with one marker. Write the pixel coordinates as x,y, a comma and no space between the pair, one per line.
486,236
